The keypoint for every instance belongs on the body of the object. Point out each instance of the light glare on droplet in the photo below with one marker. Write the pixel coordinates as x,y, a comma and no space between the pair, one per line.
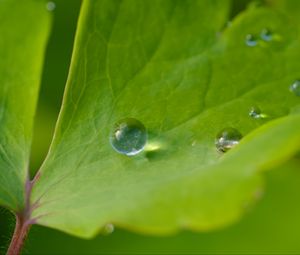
295,87
153,146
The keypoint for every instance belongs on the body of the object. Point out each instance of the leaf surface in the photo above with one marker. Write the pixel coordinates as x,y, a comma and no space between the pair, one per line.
261,231
24,27
173,66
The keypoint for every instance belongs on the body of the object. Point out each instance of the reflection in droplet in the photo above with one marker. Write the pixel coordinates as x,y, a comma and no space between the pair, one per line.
50,6
251,40
295,87
266,35
227,139
129,137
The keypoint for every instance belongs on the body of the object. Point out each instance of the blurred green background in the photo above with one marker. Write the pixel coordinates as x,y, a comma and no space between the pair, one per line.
271,226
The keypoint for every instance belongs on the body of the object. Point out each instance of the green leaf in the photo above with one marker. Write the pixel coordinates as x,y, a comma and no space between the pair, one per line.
169,65
261,231
24,28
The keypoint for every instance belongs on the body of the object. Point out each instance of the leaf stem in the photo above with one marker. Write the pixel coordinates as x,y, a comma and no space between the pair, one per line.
23,223
21,230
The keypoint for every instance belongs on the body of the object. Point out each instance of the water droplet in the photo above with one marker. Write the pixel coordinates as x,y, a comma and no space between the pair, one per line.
295,88
108,229
266,35
227,139
50,6
256,113
251,40
129,137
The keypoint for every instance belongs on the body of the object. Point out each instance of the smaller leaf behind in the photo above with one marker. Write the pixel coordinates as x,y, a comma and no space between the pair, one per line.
24,28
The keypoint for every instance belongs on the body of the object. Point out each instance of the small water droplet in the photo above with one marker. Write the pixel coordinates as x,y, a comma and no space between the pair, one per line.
256,113
251,40
129,137
295,88
266,35
108,229
50,6
227,139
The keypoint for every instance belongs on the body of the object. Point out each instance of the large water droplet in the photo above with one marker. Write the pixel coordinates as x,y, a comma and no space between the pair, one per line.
129,137
227,139
50,6
251,40
295,88
266,35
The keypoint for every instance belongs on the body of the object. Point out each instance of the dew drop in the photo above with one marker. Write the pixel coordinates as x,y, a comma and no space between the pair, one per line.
227,139
108,229
50,6
129,137
295,88
256,113
266,35
251,40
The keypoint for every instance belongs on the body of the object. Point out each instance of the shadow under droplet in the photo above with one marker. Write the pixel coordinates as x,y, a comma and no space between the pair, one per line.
156,154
